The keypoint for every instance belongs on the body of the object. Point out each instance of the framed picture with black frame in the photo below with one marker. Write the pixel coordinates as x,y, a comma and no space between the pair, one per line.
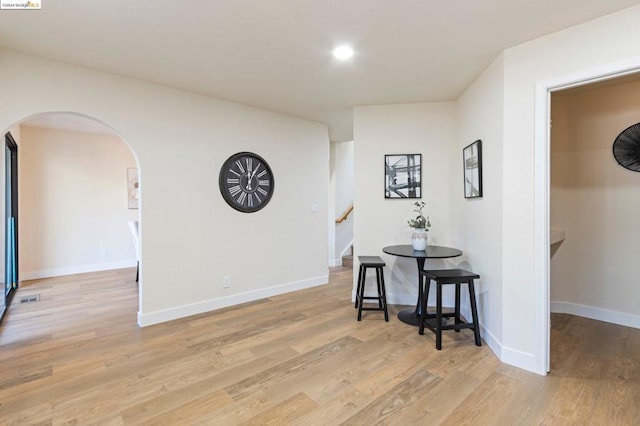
472,161
403,176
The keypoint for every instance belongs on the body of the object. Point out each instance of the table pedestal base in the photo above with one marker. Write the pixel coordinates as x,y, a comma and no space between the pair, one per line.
412,316
409,316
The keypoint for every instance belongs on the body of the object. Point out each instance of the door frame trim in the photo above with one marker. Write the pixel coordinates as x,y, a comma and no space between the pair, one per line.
542,191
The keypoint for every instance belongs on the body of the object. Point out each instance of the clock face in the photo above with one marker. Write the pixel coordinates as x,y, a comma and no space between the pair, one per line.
626,148
246,182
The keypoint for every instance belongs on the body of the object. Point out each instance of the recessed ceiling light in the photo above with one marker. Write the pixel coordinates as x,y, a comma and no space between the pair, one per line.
343,52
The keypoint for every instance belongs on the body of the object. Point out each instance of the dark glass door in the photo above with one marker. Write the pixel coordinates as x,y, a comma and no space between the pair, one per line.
11,222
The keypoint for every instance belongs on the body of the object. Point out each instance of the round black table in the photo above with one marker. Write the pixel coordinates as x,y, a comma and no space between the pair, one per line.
410,316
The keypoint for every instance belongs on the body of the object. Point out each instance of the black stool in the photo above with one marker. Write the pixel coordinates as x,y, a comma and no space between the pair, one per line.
378,264
442,277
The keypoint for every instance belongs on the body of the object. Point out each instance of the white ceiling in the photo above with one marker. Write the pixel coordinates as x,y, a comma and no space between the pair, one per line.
277,54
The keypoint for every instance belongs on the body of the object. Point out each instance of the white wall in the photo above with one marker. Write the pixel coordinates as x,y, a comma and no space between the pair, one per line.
478,221
73,209
422,128
342,174
596,202
331,207
190,238
612,38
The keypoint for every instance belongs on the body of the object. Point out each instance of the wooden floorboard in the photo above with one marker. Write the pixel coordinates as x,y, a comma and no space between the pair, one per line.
76,356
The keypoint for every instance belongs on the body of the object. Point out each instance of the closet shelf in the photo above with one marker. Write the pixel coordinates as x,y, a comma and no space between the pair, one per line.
556,236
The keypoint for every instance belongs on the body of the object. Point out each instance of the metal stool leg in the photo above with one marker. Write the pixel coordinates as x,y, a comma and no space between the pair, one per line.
474,313
378,288
439,315
426,282
383,294
457,308
355,305
425,296
361,294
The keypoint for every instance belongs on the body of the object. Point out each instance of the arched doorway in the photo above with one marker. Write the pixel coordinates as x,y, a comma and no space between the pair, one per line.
74,174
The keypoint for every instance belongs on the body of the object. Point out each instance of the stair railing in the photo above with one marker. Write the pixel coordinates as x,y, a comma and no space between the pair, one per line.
345,215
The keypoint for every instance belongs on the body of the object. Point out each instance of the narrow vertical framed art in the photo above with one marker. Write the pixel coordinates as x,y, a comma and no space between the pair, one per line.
403,176
133,189
472,162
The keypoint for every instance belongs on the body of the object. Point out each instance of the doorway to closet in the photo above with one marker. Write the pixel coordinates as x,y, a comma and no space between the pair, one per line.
594,200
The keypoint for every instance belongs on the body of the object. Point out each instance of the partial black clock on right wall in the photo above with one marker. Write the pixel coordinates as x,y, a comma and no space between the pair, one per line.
626,148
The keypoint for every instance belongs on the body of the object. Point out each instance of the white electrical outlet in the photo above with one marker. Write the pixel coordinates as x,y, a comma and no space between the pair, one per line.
227,281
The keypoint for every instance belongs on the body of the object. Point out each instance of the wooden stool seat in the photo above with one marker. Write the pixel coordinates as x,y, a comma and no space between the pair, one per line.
444,277
377,263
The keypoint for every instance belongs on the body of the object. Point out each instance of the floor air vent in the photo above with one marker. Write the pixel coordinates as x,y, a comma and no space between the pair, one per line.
30,298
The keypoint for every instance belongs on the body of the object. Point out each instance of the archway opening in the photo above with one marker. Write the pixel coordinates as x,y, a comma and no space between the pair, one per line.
79,192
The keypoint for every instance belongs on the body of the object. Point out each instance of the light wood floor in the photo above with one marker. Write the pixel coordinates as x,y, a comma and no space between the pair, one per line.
77,357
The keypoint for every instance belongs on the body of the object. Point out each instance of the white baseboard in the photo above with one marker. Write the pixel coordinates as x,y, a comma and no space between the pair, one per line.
71,270
146,319
335,262
411,300
491,341
528,361
346,250
396,299
524,360
401,298
600,314
392,298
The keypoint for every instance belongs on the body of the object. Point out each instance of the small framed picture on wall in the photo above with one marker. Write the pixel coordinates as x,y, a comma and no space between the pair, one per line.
133,190
403,176
472,158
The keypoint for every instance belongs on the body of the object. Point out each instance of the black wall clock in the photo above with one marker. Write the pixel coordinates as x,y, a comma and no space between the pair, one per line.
246,182
626,148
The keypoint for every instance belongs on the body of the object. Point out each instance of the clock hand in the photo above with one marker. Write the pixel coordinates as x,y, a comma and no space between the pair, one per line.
249,179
